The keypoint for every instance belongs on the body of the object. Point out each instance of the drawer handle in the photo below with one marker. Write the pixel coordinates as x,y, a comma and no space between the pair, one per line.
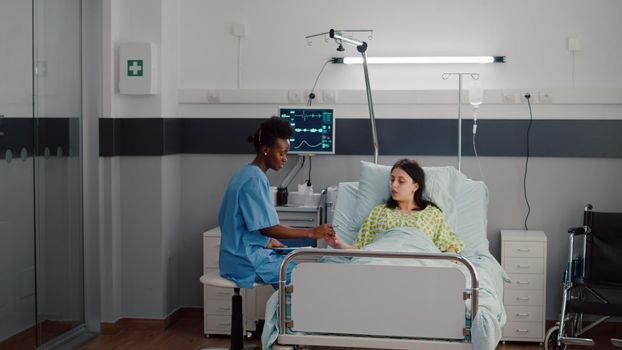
522,298
522,266
299,219
523,250
520,330
522,315
522,282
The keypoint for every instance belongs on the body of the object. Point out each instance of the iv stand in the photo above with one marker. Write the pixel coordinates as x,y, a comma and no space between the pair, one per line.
361,47
446,76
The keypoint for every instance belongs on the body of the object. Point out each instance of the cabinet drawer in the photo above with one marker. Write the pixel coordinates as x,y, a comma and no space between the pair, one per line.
523,297
298,219
218,307
215,324
306,223
524,313
216,293
526,281
524,330
523,265
524,249
211,250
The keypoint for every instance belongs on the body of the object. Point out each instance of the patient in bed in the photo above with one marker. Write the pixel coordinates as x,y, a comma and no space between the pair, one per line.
405,208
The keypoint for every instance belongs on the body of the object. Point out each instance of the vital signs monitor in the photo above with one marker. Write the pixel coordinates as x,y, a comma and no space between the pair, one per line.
314,129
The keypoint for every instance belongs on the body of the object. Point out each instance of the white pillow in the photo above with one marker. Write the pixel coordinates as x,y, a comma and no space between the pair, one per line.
442,187
345,206
472,217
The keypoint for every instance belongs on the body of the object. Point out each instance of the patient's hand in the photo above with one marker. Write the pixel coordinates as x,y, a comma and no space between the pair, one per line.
336,243
275,243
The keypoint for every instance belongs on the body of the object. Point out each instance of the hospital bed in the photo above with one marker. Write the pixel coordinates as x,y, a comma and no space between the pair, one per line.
397,293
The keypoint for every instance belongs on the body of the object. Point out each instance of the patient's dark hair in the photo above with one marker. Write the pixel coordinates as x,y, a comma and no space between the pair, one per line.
416,173
269,131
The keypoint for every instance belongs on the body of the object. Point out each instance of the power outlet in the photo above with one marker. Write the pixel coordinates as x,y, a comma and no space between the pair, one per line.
329,96
510,97
545,96
533,96
213,96
239,29
317,97
573,44
296,96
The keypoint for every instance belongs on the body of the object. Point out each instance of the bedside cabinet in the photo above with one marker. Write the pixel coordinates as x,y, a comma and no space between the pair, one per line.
217,301
523,256
299,217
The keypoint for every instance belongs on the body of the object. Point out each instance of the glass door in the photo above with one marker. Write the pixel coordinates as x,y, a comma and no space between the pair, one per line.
41,235
58,168
17,232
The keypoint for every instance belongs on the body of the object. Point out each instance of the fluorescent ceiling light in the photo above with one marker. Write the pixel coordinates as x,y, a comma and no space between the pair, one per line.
417,60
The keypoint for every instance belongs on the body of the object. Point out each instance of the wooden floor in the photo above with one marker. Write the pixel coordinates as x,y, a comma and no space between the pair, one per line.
187,333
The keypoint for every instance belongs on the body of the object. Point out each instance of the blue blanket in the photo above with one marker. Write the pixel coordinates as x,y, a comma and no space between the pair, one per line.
486,328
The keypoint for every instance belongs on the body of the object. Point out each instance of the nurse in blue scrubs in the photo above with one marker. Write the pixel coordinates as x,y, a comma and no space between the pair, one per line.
248,220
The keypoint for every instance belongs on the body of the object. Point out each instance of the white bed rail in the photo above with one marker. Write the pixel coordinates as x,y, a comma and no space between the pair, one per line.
306,252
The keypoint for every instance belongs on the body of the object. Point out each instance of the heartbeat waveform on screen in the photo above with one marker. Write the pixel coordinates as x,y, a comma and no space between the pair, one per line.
308,144
305,116
312,130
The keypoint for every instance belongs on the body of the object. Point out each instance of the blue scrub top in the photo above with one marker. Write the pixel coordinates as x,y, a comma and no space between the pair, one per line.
246,208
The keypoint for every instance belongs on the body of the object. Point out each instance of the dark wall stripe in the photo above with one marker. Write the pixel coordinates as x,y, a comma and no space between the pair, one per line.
51,133
436,137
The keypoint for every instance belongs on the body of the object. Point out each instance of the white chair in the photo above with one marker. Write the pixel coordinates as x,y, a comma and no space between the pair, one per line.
237,318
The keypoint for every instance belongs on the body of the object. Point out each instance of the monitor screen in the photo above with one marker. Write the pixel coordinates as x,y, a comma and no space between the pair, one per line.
314,129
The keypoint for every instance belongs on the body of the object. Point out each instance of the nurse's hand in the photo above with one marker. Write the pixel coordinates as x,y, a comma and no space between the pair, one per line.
322,231
275,243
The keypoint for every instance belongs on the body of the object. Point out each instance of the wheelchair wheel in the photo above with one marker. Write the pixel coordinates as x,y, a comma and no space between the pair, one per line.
550,341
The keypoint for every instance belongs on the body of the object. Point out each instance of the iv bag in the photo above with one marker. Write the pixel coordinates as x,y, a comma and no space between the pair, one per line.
476,93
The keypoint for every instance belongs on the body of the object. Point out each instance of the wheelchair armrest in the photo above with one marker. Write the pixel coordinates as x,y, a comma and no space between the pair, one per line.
577,230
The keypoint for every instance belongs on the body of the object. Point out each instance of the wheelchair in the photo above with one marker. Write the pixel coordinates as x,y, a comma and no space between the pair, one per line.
592,282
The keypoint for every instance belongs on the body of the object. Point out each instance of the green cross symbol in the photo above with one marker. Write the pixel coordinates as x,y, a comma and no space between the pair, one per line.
134,68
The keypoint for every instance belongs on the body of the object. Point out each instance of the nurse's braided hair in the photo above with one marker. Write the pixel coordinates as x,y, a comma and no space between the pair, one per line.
415,171
269,131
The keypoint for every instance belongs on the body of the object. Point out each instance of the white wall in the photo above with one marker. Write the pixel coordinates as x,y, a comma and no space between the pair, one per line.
140,197
532,34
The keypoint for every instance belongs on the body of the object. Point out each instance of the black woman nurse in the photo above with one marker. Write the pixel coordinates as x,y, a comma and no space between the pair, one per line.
248,220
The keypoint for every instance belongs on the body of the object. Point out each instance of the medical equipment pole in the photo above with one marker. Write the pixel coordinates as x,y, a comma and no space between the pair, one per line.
370,106
446,76
361,46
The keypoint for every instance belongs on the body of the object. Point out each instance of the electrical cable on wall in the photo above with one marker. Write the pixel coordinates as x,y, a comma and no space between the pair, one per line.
573,69
312,93
528,98
239,60
309,179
